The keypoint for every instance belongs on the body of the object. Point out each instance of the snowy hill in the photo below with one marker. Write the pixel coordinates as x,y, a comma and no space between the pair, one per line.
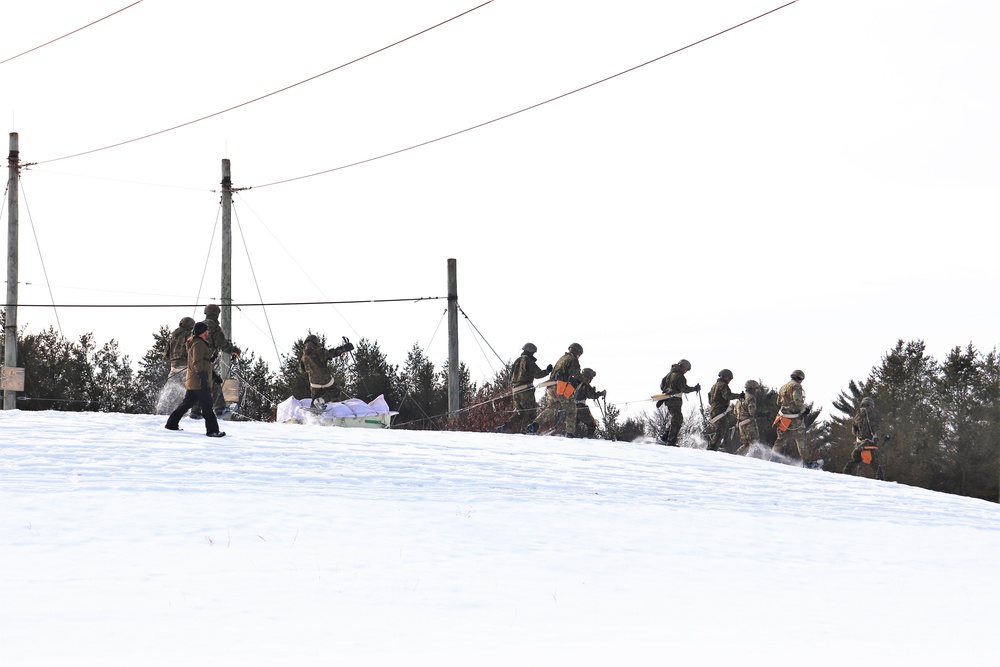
124,543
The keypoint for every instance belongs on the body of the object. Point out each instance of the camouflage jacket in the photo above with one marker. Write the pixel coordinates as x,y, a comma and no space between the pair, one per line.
746,407
675,383
567,369
585,391
176,350
719,397
791,398
866,424
216,339
526,370
314,363
200,359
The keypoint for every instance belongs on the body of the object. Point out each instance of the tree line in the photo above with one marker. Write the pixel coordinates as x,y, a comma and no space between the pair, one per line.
942,417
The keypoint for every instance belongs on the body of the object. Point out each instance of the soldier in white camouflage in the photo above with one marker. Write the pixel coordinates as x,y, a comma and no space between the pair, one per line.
790,422
586,425
522,377
747,415
567,374
720,414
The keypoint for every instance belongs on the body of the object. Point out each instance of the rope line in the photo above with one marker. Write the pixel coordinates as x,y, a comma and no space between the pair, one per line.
51,41
38,247
253,273
262,97
520,111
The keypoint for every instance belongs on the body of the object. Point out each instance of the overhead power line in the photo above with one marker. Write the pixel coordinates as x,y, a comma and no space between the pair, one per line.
262,97
234,305
51,41
528,108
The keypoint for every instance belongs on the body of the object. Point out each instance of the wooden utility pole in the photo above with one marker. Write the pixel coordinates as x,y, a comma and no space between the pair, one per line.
226,316
454,396
10,327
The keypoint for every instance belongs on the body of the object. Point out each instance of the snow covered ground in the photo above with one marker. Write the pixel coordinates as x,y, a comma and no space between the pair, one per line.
123,543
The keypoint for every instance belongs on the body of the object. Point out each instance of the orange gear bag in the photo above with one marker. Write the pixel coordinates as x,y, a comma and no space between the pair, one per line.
782,423
564,389
866,453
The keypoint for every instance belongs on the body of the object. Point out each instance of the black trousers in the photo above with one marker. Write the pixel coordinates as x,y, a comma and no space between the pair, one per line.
192,397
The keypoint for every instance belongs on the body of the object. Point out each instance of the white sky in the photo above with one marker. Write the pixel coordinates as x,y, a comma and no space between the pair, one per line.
124,543
797,193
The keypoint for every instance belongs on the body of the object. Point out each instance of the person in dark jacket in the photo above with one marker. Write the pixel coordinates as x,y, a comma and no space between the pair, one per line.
217,342
522,377
674,385
198,381
865,426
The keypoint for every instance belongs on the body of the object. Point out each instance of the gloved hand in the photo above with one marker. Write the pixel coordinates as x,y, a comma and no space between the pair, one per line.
237,352
697,387
203,376
347,346
548,369
602,393
742,395
661,402
216,378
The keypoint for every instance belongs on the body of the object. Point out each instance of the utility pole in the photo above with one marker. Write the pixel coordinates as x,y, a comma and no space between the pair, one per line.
454,397
226,316
10,327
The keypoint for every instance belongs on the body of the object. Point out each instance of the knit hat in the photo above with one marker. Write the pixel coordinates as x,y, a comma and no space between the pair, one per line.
200,328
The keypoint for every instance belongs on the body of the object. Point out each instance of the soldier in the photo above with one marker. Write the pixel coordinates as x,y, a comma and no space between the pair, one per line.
790,422
747,413
217,342
674,385
720,408
586,425
198,381
314,364
176,350
866,425
522,377
566,373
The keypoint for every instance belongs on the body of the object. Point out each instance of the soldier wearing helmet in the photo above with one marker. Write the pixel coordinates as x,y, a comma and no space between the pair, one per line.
586,425
314,363
674,385
749,411
790,422
175,352
559,397
865,426
522,377
721,415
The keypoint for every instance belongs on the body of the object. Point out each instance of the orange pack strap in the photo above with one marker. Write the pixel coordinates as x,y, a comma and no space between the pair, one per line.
564,389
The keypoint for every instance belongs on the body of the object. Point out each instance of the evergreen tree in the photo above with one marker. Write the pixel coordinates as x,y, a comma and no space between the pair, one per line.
113,388
371,374
424,401
153,370
57,373
258,399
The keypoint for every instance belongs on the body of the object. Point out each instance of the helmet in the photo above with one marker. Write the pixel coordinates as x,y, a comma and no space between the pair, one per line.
798,375
530,348
589,373
752,385
726,374
576,349
868,401
187,323
685,364
212,309
312,338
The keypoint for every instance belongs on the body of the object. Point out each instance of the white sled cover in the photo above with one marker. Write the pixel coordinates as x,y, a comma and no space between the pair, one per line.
352,413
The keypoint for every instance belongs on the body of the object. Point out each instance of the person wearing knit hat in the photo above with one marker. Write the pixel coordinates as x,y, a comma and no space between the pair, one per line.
198,383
